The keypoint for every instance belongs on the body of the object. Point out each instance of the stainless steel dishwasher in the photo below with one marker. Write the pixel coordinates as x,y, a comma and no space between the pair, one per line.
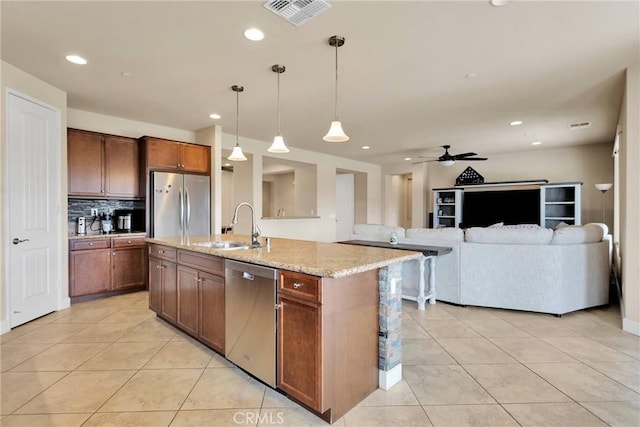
250,318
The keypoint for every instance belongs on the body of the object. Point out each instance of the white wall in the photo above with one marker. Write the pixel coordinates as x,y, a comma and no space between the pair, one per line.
124,127
14,78
630,200
589,164
248,187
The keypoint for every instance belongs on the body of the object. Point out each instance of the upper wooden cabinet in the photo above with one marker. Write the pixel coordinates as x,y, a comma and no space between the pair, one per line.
100,165
167,155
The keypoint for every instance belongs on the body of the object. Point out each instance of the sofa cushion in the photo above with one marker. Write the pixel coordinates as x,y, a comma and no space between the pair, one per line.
574,234
513,235
450,233
376,231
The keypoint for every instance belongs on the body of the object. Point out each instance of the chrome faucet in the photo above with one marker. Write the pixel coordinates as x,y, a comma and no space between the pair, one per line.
255,231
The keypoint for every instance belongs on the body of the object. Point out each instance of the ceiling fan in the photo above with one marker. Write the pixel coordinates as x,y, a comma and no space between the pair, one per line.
448,159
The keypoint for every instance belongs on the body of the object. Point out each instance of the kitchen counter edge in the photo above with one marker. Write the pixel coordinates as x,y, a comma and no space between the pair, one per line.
344,260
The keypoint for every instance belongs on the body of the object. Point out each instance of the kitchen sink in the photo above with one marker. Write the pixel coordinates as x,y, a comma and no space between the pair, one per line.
225,245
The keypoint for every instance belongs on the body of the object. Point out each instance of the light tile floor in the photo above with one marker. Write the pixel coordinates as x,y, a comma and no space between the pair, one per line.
111,362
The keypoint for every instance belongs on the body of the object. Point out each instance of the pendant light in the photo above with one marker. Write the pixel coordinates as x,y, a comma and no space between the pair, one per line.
336,134
237,155
278,145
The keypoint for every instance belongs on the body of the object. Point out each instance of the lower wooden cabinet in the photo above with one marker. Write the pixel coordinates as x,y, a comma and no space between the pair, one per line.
105,264
89,271
188,299
328,340
187,289
211,311
300,351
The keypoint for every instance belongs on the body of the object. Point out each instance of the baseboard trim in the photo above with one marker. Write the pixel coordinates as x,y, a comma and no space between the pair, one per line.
5,326
387,379
64,303
631,326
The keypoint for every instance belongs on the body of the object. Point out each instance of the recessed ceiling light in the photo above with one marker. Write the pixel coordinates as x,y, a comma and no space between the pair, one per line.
215,116
365,147
516,123
254,34
76,59
125,74
499,3
407,158
470,75
536,143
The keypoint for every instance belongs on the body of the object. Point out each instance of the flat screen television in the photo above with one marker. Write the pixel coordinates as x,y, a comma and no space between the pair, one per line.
484,208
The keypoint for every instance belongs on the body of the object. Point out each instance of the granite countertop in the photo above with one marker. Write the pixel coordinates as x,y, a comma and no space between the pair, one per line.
97,234
315,258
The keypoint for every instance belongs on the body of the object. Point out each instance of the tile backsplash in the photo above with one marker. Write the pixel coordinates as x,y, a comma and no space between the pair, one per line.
82,207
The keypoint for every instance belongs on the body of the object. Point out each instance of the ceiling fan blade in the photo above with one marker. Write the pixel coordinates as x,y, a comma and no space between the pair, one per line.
474,158
463,155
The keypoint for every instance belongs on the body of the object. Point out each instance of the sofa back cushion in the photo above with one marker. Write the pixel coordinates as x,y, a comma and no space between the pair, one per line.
377,232
531,235
576,234
428,234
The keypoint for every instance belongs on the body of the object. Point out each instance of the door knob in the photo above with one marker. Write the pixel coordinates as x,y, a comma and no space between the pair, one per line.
15,240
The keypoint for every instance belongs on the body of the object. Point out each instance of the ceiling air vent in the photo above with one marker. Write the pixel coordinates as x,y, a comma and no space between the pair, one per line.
578,126
297,12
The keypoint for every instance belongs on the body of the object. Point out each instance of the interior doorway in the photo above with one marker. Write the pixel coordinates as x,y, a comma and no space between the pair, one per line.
399,200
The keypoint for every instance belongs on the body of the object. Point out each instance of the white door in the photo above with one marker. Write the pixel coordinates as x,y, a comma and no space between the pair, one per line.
345,206
32,199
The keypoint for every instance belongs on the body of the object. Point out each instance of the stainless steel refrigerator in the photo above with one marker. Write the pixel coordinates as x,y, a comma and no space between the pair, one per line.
180,205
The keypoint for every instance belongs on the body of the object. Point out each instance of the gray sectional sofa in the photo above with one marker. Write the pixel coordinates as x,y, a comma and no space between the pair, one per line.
523,267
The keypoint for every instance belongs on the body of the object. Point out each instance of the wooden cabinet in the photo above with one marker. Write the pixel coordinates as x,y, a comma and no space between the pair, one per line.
129,262
328,340
447,208
85,162
187,289
104,166
163,282
89,267
211,311
188,299
104,264
300,351
174,156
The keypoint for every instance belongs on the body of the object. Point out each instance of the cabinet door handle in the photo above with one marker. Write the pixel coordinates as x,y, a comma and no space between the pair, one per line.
128,241
297,285
90,244
278,306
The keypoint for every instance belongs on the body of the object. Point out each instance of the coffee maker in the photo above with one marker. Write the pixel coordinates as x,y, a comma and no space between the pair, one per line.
123,222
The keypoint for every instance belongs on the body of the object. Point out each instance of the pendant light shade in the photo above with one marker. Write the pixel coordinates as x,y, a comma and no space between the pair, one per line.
278,145
336,134
237,155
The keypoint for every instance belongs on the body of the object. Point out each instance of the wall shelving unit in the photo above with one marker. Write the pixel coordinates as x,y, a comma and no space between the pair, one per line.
447,208
560,203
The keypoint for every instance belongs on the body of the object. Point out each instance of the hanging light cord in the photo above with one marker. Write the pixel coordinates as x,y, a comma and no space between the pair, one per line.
335,106
278,73
237,114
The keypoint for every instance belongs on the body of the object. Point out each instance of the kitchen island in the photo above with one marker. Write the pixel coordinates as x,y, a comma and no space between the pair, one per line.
338,311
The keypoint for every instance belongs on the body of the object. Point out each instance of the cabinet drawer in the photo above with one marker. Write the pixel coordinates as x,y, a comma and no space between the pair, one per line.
209,263
163,252
301,285
84,244
123,242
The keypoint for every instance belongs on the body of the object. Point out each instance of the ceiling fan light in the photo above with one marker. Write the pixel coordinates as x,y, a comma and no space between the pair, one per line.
335,134
278,145
237,155
447,163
